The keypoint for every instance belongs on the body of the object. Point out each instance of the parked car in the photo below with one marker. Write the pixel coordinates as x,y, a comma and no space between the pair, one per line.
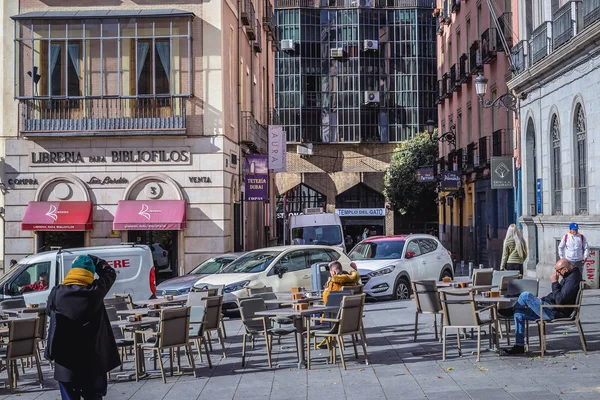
183,284
135,274
280,267
387,264
160,256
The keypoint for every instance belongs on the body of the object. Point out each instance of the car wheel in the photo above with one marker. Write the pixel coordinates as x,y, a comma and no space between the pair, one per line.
446,274
402,289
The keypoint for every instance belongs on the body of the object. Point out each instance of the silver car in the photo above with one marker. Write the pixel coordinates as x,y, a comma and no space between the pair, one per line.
183,284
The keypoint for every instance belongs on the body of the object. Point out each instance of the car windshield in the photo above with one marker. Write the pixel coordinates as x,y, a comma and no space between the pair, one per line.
382,250
325,234
13,270
256,261
212,265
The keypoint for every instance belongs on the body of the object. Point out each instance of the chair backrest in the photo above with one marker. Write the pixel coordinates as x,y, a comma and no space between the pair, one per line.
355,289
459,308
197,298
504,282
268,296
119,303
518,286
12,303
197,319
427,297
128,299
257,290
22,338
497,276
112,316
483,276
212,315
248,309
43,321
174,327
334,299
350,314
577,311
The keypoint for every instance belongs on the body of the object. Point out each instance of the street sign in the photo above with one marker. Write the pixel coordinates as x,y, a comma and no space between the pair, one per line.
450,181
425,175
502,172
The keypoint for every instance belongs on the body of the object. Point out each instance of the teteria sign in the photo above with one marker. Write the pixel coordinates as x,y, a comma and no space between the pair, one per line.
360,212
110,156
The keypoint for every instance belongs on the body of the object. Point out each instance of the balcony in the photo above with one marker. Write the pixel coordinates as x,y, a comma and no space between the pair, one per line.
247,14
541,42
488,45
455,5
591,12
254,135
294,3
463,69
438,96
444,86
103,116
257,44
251,28
453,86
483,159
469,159
476,63
505,24
519,57
268,18
565,23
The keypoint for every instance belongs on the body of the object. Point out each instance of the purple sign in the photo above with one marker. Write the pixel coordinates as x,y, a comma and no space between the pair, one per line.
256,171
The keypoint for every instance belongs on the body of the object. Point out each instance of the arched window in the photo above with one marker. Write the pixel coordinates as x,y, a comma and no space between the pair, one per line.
556,170
581,205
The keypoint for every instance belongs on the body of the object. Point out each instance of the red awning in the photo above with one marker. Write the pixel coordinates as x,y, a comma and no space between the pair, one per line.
58,216
154,215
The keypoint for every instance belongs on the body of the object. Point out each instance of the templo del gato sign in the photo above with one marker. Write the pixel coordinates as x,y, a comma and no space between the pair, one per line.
110,157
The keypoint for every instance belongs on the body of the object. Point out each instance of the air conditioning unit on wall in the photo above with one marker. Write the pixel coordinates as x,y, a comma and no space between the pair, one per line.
371,96
288,45
370,45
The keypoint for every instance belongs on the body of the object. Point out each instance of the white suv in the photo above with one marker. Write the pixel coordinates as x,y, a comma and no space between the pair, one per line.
387,264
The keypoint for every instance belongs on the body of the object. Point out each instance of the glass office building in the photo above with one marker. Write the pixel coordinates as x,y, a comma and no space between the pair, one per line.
355,70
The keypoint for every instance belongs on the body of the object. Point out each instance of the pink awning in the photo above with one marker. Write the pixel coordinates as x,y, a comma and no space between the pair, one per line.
58,216
153,215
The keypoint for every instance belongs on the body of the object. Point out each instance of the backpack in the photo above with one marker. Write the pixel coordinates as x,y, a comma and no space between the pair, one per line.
567,236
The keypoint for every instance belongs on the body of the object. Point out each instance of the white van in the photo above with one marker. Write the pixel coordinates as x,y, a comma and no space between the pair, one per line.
280,268
323,228
133,263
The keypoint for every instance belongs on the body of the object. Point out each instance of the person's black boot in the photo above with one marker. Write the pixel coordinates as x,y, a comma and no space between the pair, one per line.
515,351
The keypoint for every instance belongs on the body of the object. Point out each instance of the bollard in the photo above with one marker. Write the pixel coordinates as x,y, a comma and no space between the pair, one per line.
470,270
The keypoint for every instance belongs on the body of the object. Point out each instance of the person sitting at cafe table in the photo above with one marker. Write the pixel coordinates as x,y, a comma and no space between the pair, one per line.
528,306
339,278
41,284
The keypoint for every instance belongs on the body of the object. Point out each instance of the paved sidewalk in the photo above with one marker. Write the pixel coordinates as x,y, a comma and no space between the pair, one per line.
400,369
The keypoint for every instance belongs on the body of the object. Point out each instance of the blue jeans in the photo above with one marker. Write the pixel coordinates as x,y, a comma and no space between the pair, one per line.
94,390
528,309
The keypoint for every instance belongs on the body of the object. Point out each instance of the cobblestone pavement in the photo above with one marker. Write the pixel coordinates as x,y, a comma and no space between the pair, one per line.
400,368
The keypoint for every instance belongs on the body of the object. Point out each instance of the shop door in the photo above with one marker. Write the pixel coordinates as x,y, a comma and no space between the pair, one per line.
163,245
482,228
238,243
62,239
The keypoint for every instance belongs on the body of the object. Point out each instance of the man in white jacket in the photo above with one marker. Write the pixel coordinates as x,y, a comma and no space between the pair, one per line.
574,247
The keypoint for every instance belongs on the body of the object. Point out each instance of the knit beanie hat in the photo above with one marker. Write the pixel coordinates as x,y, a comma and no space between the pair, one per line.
84,262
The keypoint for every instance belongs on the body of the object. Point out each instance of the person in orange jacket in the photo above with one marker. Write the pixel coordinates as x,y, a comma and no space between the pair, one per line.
339,278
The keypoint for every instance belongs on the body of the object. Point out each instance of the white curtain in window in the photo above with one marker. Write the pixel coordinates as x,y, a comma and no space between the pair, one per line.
142,53
162,48
73,51
54,55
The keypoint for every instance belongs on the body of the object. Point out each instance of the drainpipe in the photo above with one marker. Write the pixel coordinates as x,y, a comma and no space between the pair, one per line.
239,96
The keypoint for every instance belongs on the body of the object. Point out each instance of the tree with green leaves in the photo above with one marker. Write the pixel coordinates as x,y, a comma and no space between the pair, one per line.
409,198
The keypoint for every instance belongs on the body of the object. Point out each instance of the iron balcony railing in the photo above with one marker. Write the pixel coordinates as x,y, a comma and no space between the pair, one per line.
475,58
257,44
483,152
519,57
470,157
253,133
455,5
452,78
488,45
591,12
505,24
247,14
50,116
251,28
444,86
268,18
463,69
565,23
541,42
438,95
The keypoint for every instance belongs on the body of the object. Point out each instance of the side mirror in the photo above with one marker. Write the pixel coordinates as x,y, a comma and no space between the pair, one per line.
281,271
409,254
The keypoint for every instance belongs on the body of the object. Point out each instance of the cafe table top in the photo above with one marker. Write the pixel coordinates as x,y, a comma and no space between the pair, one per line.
480,299
161,300
472,287
143,311
292,301
146,321
290,312
23,310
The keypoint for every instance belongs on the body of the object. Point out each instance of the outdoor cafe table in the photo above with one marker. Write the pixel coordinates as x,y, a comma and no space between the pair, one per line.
469,288
23,310
292,301
298,316
161,301
146,322
144,311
